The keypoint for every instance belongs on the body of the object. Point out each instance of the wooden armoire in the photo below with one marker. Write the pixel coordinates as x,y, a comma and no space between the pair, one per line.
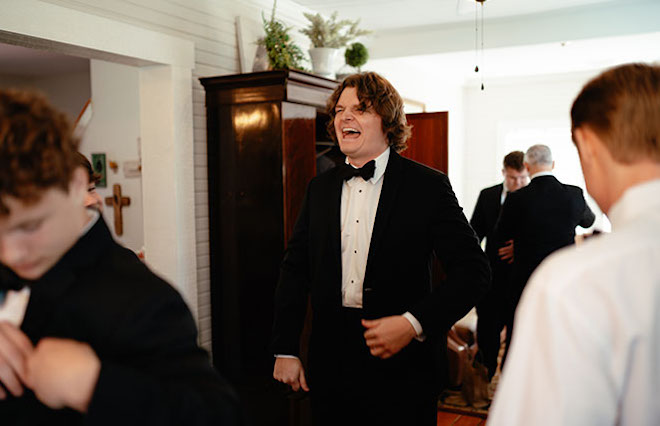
265,134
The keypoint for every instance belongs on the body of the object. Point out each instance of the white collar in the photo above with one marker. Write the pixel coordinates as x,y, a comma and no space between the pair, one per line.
93,218
538,174
636,200
381,165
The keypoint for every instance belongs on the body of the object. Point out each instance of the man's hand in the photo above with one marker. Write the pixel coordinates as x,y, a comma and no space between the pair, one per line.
15,349
291,372
63,373
506,252
388,335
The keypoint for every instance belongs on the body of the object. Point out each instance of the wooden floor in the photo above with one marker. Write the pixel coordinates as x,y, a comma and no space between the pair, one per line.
452,419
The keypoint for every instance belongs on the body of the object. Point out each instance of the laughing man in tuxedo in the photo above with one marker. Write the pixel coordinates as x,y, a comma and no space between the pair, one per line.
362,248
491,310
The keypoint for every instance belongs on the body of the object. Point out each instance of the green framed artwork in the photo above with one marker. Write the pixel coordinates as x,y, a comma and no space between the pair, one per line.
98,164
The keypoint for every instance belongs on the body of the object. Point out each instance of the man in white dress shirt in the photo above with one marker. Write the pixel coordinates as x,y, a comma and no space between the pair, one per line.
587,344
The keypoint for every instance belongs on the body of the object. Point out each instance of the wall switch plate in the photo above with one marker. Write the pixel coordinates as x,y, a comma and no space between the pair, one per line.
132,169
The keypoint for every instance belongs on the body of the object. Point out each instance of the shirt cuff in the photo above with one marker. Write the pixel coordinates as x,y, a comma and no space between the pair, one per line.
416,325
286,356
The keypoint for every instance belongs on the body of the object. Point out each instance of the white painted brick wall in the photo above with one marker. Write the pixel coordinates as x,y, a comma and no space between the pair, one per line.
211,26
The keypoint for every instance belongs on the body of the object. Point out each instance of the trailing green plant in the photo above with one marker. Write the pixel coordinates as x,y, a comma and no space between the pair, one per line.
331,33
283,53
356,55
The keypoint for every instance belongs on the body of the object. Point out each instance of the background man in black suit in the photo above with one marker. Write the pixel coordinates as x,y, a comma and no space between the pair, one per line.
491,309
361,247
88,334
540,218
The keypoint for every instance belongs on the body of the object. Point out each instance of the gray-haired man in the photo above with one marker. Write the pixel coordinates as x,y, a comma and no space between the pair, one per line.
540,218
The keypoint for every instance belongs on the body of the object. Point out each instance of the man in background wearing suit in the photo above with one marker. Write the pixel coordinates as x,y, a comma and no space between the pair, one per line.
491,310
587,342
540,218
88,334
362,248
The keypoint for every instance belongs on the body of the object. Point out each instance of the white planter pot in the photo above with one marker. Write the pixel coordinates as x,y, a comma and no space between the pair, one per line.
323,61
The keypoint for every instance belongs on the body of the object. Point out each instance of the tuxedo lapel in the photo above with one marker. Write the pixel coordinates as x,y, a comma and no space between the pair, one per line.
391,185
334,211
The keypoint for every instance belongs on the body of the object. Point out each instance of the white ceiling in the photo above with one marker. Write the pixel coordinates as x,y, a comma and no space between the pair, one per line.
425,16
26,62
389,14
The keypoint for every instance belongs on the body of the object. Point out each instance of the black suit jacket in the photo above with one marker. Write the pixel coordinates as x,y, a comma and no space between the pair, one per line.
484,221
152,371
417,216
541,218
484,218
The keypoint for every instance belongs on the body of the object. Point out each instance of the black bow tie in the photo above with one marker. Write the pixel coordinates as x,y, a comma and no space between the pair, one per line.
366,172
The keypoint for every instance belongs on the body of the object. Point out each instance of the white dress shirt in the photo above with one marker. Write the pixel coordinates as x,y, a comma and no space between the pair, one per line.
587,347
505,192
538,174
359,203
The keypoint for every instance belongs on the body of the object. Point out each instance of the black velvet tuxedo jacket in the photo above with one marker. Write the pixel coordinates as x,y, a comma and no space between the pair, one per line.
417,216
541,218
152,371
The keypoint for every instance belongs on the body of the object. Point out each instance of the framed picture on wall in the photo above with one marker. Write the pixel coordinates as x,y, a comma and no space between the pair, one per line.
98,164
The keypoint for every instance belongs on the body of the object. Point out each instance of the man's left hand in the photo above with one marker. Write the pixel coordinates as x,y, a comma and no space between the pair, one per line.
506,252
388,335
63,373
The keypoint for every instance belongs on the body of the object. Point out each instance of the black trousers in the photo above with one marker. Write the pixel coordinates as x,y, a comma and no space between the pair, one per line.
365,390
492,313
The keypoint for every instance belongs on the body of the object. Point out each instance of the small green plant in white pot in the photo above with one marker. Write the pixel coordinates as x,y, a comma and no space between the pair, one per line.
328,37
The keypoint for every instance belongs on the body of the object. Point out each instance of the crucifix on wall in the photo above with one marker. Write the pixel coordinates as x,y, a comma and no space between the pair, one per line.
117,202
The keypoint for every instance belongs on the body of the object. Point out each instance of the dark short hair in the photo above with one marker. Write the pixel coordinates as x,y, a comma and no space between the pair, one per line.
376,92
514,160
622,106
92,176
37,147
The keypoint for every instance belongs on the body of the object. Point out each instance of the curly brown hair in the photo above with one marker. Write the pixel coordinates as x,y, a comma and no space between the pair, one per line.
375,91
37,147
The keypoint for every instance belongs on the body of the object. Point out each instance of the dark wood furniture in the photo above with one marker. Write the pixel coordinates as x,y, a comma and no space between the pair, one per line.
262,128
265,131
428,142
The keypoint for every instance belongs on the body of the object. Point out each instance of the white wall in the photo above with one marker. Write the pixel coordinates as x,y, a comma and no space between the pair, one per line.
439,91
486,125
115,130
515,114
211,26
68,92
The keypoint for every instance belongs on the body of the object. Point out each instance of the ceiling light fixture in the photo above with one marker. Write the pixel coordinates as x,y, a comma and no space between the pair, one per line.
479,54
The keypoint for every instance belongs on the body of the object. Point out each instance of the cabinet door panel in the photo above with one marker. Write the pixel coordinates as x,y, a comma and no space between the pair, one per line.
428,144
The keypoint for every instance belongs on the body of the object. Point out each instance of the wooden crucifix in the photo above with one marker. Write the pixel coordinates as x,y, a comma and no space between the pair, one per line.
117,202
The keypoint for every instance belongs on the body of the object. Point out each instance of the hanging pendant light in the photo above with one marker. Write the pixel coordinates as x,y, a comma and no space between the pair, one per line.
479,34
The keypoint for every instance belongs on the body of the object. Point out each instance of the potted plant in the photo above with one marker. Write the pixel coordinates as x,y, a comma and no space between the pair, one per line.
327,37
282,52
356,55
